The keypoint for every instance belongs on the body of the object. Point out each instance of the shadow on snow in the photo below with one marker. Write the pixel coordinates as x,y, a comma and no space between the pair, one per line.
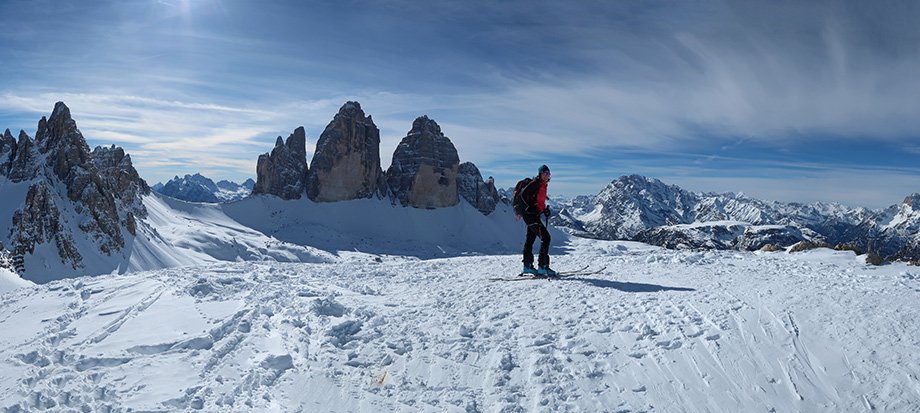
630,287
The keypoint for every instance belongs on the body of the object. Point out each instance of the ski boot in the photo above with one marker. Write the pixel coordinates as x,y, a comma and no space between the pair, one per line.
529,270
546,271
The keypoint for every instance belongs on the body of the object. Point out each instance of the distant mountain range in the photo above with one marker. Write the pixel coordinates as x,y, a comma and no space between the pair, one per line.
645,209
197,188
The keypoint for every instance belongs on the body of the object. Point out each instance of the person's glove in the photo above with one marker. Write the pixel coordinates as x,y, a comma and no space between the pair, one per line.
546,212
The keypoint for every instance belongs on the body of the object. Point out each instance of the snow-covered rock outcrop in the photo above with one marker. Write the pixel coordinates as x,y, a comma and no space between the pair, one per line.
423,173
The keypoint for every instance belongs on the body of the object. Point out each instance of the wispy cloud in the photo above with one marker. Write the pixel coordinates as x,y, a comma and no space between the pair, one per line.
598,88
185,136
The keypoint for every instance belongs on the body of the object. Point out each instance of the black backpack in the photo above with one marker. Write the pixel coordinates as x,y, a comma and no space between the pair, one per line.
525,197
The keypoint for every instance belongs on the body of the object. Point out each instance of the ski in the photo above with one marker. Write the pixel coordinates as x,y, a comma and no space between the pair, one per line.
565,274
574,271
585,272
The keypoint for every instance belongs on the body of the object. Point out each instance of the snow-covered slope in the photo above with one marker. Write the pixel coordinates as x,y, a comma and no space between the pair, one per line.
174,233
10,281
659,330
177,233
377,226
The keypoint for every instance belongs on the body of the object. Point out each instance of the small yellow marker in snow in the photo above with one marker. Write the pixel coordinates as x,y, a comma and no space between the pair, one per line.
383,378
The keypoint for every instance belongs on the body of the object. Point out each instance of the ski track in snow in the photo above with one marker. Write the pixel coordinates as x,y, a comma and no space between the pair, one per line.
659,330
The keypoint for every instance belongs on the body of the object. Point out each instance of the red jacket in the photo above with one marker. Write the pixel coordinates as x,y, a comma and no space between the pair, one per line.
541,196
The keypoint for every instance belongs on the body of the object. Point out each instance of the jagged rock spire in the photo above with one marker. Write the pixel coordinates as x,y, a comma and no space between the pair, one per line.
23,164
423,173
283,172
346,164
7,152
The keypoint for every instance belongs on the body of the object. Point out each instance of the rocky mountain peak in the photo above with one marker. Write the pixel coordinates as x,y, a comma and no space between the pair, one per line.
423,173
913,201
346,164
425,125
351,109
297,143
101,188
7,152
23,159
59,129
283,172
59,138
637,183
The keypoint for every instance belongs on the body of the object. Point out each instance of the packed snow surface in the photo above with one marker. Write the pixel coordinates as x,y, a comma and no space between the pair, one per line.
658,330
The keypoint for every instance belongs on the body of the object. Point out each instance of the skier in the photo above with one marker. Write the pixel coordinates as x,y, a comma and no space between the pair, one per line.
530,203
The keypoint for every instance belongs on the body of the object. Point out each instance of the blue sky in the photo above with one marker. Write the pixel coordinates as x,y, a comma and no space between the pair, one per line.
790,101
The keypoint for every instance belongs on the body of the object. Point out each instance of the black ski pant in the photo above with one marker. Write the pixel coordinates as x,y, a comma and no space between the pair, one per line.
535,229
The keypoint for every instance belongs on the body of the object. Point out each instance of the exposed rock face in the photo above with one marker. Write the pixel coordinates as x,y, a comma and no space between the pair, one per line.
24,165
346,164
481,194
283,172
7,152
39,222
118,176
64,147
423,173
102,188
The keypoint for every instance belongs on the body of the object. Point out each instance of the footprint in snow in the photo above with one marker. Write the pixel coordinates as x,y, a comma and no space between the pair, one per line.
696,334
328,307
637,354
669,344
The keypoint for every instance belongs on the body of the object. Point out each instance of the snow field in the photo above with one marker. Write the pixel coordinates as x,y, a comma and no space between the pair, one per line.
660,330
